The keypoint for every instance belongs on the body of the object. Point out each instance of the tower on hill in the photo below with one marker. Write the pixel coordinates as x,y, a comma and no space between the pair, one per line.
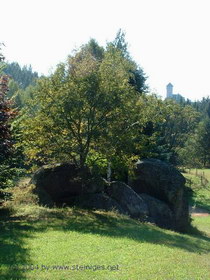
169,90
169,94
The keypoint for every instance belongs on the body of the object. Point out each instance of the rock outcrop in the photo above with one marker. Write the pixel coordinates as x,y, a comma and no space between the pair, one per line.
96,201
156,194
128,199
159,212
163,182
58,182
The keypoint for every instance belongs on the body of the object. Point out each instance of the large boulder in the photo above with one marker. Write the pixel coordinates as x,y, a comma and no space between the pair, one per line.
54,183
128,199
164,182
157,193
159,212
95,201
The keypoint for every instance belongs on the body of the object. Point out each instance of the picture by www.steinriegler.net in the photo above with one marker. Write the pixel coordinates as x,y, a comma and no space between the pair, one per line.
104,140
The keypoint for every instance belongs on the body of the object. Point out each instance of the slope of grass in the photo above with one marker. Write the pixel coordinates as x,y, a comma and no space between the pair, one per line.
42,243
203,223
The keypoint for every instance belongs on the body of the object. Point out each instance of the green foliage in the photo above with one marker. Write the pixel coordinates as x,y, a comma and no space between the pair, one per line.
120,43
202,145
21,83
137,78
94,49
90,108
93,109
196,152
167,127
22,195
202,106
23,76
97,162
13,88
8,168
178,125
6,114
87,105
2,64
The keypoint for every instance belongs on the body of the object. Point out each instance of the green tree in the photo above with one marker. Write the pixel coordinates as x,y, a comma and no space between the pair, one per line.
13,88
86,108
94,49
137,77
196,151
1,58
200,150
165,137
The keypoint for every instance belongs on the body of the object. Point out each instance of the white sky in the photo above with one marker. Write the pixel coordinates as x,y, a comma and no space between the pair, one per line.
169,39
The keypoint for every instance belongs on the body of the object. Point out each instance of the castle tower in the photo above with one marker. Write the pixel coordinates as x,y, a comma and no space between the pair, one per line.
169,90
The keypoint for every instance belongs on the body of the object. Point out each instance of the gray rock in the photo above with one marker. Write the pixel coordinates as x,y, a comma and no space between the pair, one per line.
56,182
157,193
159,212
164,182
97,201
128,199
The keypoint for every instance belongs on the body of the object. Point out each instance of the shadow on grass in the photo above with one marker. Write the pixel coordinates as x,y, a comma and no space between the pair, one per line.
100,223
13,232
113,225
13,255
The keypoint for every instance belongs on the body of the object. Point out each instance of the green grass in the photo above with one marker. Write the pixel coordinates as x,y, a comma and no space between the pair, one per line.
200,183
199,172
68,243
115,246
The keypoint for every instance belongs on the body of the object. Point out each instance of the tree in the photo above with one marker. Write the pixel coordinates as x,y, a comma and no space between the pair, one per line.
168,127
82,109
94,49
120,43
137,77
1,58
6,115
196,152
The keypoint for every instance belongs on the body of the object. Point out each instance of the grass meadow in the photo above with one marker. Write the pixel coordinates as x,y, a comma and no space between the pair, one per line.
77,244
69,243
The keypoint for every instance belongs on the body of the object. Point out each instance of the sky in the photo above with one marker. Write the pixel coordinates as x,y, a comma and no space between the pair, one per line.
169,39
